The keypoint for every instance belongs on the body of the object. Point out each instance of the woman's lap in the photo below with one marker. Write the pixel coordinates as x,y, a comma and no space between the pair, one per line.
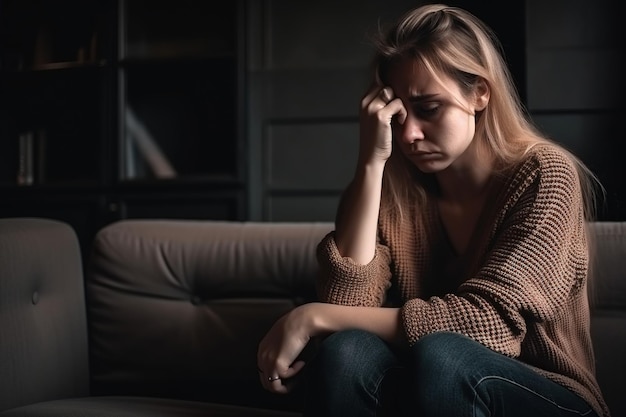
355,373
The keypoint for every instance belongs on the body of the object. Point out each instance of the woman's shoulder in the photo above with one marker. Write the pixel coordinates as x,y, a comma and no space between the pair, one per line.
546,161
548,155
547,174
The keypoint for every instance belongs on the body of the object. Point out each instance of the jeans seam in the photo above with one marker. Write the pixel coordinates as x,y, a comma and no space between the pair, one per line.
379,383
524,388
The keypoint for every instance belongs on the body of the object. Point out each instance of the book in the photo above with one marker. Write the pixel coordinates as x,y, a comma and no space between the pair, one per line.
25,170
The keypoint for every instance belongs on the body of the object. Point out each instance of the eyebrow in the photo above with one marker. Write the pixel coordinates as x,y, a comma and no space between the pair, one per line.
422,97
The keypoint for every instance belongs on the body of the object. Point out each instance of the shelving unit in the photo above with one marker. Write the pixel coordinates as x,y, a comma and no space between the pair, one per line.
116,109
52,67
178,78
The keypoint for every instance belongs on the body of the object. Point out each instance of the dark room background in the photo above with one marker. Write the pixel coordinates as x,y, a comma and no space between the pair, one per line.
247,110
309,69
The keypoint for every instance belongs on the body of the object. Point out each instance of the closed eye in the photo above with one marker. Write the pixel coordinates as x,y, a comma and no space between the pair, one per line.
426,106
426,110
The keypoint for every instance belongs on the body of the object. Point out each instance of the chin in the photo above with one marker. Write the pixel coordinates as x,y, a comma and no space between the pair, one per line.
428,169
430,166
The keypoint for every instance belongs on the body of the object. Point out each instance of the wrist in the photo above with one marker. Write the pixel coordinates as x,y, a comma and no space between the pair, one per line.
316,319
370,171
370,165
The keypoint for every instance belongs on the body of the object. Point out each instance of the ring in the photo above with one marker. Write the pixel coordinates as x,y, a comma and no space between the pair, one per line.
273,378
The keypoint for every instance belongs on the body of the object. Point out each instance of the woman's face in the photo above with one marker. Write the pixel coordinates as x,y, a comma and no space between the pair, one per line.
440,122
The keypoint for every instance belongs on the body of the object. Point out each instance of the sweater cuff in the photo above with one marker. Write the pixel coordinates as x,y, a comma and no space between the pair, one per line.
348,282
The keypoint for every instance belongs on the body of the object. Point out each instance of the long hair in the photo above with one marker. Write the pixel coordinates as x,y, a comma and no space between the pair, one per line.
451,41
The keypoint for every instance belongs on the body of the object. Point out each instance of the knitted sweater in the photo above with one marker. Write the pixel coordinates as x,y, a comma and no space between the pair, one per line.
520,288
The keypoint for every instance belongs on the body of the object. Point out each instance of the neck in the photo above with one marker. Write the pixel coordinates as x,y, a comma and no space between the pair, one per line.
467,179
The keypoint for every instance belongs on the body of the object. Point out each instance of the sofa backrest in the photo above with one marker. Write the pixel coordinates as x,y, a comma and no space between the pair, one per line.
178,307
43,326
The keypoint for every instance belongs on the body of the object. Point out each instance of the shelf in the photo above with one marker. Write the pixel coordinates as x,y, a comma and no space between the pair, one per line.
179,121
40,33
131,103
207,61
53,67
162,29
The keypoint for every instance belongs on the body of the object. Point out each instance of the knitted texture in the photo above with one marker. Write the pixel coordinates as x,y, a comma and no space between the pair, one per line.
519,288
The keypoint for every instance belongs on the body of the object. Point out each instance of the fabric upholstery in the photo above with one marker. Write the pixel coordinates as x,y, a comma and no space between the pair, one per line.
44,361
220,285
608,318
136,407
43,340
176,309
205,293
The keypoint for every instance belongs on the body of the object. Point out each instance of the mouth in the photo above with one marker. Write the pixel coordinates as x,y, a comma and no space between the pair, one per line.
421,153
414,150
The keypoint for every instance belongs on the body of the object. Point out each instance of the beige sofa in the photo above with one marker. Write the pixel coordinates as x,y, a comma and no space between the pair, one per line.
174,312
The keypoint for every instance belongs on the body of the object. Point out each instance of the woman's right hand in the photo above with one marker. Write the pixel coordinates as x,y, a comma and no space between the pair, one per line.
378,108
278,351
357,215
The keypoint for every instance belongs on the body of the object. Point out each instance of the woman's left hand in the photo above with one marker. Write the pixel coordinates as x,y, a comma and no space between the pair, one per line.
277,355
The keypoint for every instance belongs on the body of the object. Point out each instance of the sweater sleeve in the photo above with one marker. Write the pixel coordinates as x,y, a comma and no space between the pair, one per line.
342,281
536,261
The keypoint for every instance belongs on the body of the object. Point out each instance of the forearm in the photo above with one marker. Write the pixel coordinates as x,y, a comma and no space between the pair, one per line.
357,216
329,318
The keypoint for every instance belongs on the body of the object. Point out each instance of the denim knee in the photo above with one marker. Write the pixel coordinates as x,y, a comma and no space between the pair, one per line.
342,355
345,376
440,347
455,375
441,350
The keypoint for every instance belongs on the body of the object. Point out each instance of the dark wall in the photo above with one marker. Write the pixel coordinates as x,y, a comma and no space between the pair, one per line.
308,67
575,85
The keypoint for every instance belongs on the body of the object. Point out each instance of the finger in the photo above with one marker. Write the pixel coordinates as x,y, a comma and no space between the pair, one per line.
279,387
386,95
275,384
287,381
293,369
269,377
268,382
399,110
283,381
369,97
379,96
381,100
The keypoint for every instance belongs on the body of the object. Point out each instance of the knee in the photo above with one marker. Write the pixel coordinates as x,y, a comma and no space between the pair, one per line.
441,353
342,350
345,373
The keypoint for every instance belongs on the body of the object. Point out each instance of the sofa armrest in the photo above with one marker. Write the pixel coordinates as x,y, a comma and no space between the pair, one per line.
43,326
607,286
177,307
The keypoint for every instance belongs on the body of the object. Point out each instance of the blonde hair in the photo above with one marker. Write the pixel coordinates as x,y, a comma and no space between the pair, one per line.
451,41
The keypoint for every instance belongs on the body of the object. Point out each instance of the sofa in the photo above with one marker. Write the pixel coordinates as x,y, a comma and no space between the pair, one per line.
163,317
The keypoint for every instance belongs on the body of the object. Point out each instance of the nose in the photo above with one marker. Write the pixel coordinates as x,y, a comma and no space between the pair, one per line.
411,130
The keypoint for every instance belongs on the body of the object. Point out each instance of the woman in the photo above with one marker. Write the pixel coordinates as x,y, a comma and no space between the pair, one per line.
455,281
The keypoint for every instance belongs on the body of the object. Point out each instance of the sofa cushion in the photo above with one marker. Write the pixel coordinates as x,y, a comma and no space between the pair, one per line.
178,307
136,407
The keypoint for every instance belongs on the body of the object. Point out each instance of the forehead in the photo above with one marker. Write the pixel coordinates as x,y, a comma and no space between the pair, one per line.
410,77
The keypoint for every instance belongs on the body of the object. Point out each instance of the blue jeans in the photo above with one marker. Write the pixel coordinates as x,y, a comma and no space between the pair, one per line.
355,373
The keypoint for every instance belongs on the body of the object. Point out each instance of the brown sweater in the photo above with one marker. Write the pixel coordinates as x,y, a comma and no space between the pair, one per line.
520,289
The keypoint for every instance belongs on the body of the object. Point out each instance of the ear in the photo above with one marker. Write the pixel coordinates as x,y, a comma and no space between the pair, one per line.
482,93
